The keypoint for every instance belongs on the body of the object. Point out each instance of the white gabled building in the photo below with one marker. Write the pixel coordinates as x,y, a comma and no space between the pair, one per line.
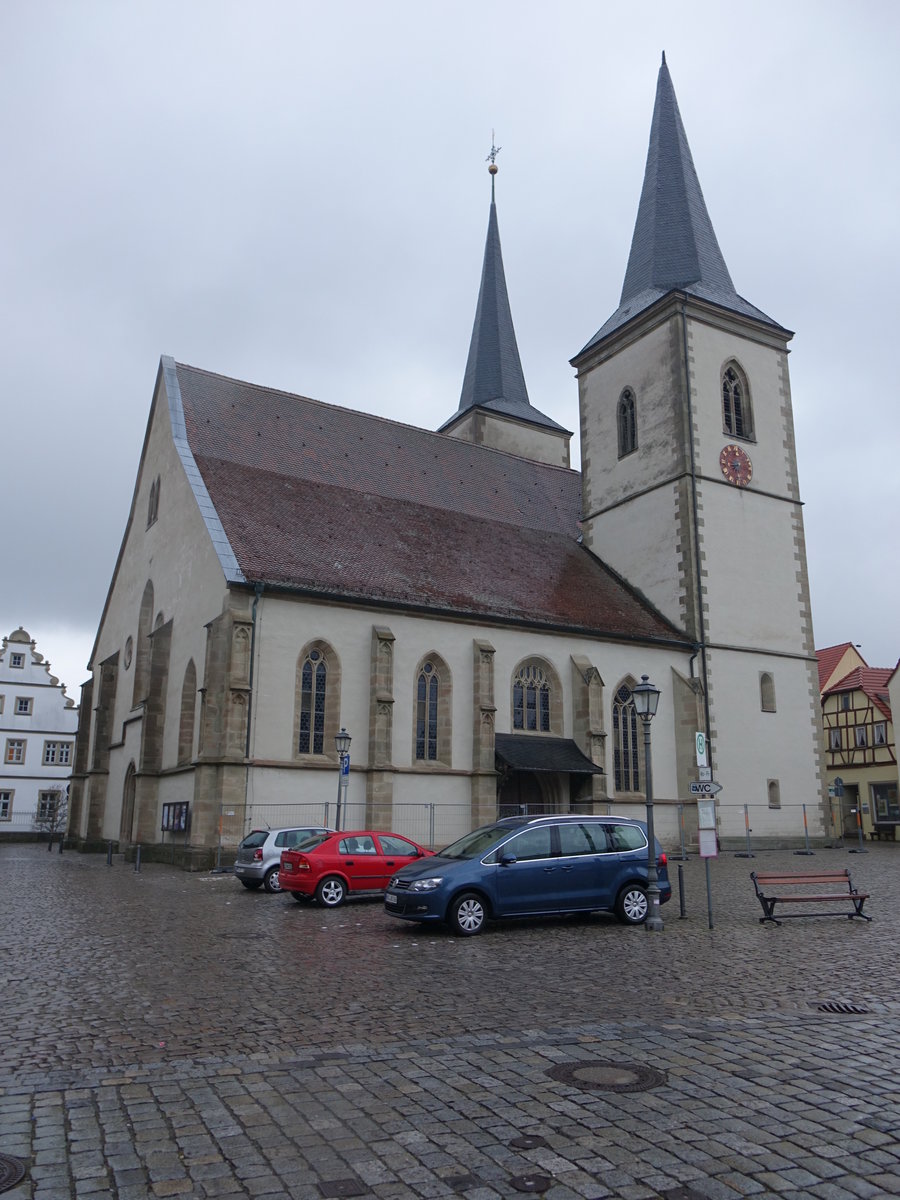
38,723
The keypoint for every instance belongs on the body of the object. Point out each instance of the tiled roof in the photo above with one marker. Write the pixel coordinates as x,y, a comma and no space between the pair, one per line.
873,681
342,504
674,246
828,660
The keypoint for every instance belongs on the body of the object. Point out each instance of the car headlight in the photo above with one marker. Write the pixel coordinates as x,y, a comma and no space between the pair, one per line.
426,885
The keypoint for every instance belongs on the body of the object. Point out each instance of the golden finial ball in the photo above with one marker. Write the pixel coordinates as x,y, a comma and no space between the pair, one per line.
493,168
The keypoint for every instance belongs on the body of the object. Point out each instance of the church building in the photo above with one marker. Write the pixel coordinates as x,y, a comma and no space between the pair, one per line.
472,610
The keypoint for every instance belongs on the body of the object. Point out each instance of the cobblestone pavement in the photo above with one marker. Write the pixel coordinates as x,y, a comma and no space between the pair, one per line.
170,1034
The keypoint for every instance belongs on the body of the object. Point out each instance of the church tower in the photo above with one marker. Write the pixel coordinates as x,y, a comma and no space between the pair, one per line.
690,490
494,409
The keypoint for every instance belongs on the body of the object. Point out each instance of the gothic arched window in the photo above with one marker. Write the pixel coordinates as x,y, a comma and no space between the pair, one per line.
767,692
313,685
531,699
626,758
626,423
427,688
153,502
737,415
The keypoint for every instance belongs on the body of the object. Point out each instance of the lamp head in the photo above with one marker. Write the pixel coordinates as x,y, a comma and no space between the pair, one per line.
646,698
342,742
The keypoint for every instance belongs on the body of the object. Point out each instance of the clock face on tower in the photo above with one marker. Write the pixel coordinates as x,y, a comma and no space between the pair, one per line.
736,465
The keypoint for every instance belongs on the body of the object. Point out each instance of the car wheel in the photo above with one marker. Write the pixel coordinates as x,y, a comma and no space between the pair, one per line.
252,884
331,892
632,905
270,883
467,915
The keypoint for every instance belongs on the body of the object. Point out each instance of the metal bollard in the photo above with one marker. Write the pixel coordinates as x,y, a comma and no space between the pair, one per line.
62,838
50,842
137,858
806,834
109,854
748,853
681,891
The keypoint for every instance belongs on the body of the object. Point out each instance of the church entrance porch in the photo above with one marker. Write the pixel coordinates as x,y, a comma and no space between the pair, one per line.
541,775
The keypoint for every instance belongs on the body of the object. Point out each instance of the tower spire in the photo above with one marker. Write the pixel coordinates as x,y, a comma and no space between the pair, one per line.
674,246
494,380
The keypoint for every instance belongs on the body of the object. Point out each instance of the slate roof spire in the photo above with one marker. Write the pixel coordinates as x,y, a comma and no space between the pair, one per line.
674,246
494,378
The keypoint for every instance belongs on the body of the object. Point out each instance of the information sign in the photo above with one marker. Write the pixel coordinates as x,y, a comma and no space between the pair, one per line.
709,844
702,760
705,789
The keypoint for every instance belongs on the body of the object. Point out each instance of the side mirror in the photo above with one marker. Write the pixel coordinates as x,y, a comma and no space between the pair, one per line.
507,860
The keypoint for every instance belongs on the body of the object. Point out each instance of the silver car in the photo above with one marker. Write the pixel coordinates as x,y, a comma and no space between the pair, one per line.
259,854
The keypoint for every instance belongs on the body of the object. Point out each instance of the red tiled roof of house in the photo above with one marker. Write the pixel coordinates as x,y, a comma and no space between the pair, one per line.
341,504
828,659
872,681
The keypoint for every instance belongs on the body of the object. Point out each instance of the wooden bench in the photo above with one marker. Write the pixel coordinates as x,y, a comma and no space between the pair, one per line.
771,889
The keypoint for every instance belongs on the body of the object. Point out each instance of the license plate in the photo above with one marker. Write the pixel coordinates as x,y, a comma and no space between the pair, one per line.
390,899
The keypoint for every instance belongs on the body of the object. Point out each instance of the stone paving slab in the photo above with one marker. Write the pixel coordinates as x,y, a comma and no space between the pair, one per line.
176,1035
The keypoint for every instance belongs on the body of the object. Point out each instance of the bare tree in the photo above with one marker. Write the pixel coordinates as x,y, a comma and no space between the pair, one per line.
52,814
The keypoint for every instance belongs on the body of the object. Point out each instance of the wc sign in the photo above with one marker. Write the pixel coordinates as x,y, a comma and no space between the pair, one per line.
702,759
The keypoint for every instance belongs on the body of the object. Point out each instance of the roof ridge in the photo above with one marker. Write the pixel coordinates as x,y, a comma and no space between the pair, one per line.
356,412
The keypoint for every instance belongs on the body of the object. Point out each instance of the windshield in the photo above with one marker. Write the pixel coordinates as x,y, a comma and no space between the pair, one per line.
475,844
254,839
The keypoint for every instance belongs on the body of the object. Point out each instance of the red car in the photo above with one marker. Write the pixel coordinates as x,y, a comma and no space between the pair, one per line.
352,862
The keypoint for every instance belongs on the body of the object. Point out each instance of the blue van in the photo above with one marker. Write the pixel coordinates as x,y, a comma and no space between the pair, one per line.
528,866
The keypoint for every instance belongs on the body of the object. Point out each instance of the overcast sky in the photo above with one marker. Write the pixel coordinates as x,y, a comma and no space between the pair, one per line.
296,194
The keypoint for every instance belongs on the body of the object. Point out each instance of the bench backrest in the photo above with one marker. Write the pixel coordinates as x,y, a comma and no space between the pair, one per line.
779,877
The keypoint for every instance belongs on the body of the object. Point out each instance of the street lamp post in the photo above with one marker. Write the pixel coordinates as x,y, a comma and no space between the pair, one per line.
646,699
342,745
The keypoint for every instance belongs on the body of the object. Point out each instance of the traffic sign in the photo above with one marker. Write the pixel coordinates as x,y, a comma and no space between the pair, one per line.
700,739
705,774
705,789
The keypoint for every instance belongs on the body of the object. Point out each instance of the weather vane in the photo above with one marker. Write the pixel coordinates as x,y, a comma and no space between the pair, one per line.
492,159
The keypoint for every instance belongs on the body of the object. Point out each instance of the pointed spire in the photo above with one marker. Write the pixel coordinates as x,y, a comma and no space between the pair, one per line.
494,378
674,246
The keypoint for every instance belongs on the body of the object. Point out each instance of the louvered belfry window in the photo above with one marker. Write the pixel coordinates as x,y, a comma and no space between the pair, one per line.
736,413
626,423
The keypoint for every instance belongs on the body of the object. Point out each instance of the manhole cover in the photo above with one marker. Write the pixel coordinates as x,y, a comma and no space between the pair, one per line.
531,1183
462,1183
609,1077
842,1006
528,1141
12,1170
343,1187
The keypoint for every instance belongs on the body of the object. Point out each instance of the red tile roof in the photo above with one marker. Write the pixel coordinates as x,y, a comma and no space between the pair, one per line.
829,659
344,505
873,681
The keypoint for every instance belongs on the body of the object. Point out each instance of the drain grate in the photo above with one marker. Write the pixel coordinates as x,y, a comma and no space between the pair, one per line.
842,1006
12,1170
608,1076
